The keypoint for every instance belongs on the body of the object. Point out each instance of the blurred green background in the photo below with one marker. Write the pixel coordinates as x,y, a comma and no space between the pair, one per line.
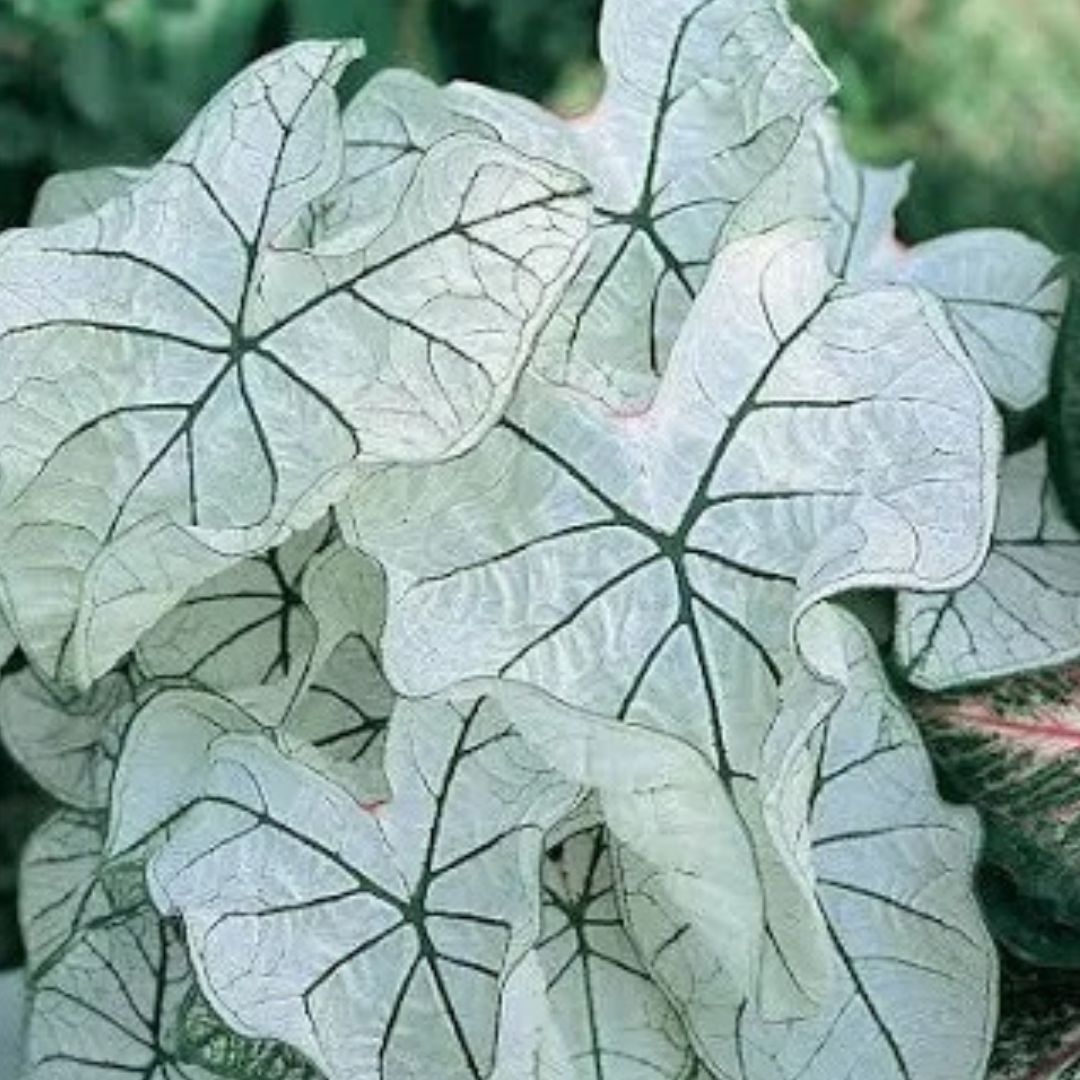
983,94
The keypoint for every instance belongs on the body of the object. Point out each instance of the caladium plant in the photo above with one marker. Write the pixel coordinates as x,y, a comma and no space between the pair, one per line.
429,538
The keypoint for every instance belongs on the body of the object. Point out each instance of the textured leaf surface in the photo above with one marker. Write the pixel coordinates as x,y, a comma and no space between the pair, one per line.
67,742
651,787
260,630
993,282
1022,610
807,439
111,985
74,194
915,971
177,382
701,136
375,940
615,1021
1013,750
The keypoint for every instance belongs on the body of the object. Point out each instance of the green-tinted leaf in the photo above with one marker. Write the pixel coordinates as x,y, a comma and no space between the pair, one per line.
345,714
67,742
58,885
700,137
374,940
807,439
261,629
993,282
111,985
203,1040
67,196
1011,749
183,392
1021,612
614,1020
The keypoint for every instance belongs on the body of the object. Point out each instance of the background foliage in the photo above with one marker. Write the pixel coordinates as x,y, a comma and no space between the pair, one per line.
984,95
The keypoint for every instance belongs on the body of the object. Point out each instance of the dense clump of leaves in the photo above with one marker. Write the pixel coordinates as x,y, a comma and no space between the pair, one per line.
428,531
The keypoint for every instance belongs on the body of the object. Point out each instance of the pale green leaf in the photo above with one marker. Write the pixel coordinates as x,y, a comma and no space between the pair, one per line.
994,283
67,742
185,382
260,630
111,986
376,940
58,885
1022,610
613,1018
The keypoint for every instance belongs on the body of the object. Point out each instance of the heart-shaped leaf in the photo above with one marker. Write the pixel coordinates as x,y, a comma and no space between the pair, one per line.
994,283
1022,610
376,941
701,136
807,439
186,387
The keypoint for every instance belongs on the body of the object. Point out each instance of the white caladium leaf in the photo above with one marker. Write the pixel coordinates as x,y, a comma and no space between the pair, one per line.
345,715
915,993
614,1020
71,195
1022,610
531,1045
808,438
180,391
112,994
341,721
58,886
67,742
652,787
701,136
261,629
994,283
376,941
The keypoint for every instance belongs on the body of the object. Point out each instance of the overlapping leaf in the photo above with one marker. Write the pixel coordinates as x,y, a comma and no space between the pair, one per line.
178,390
994,283
111,986
67,742
1022,610
375,941
614,1020
914,988
263,628
807,439
701,136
